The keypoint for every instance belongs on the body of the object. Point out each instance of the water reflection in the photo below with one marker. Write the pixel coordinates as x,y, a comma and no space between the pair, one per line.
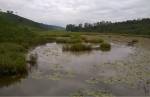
8,81
59,73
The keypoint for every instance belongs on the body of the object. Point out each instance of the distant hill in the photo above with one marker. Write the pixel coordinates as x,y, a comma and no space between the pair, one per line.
14,28
12,22
139,26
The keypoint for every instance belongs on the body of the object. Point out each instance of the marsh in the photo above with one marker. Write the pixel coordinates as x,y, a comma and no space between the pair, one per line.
123,71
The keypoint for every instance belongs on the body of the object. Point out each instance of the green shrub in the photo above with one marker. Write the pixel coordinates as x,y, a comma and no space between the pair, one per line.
105,47
77,47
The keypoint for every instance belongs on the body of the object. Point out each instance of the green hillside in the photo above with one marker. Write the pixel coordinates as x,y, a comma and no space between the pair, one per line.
20,30
17,35
12,22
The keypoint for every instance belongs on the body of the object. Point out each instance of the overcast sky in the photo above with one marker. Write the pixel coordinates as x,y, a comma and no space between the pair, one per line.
62,12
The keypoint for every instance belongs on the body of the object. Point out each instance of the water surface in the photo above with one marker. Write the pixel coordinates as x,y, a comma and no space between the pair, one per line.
123,71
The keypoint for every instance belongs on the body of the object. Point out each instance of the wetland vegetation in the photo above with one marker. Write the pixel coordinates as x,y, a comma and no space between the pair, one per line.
105,47
77,47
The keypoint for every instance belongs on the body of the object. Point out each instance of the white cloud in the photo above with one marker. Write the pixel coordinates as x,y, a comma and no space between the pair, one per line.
62,12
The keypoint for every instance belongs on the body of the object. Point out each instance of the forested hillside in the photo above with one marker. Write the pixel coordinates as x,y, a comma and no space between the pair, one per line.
140,26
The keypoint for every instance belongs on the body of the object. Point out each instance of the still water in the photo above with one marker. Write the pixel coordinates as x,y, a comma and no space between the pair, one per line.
123,71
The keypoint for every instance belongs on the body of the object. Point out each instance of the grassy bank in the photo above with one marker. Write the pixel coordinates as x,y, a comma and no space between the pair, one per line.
17,35
13,51
12,59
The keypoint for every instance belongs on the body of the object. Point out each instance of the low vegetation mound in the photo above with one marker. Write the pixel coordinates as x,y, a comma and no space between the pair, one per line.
105,47
77,47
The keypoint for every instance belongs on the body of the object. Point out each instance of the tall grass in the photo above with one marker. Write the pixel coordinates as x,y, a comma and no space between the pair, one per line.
12,59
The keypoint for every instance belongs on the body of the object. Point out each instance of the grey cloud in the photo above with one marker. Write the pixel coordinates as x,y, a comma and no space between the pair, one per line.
62,12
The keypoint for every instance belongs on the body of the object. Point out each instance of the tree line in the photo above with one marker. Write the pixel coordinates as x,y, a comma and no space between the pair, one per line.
138,26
